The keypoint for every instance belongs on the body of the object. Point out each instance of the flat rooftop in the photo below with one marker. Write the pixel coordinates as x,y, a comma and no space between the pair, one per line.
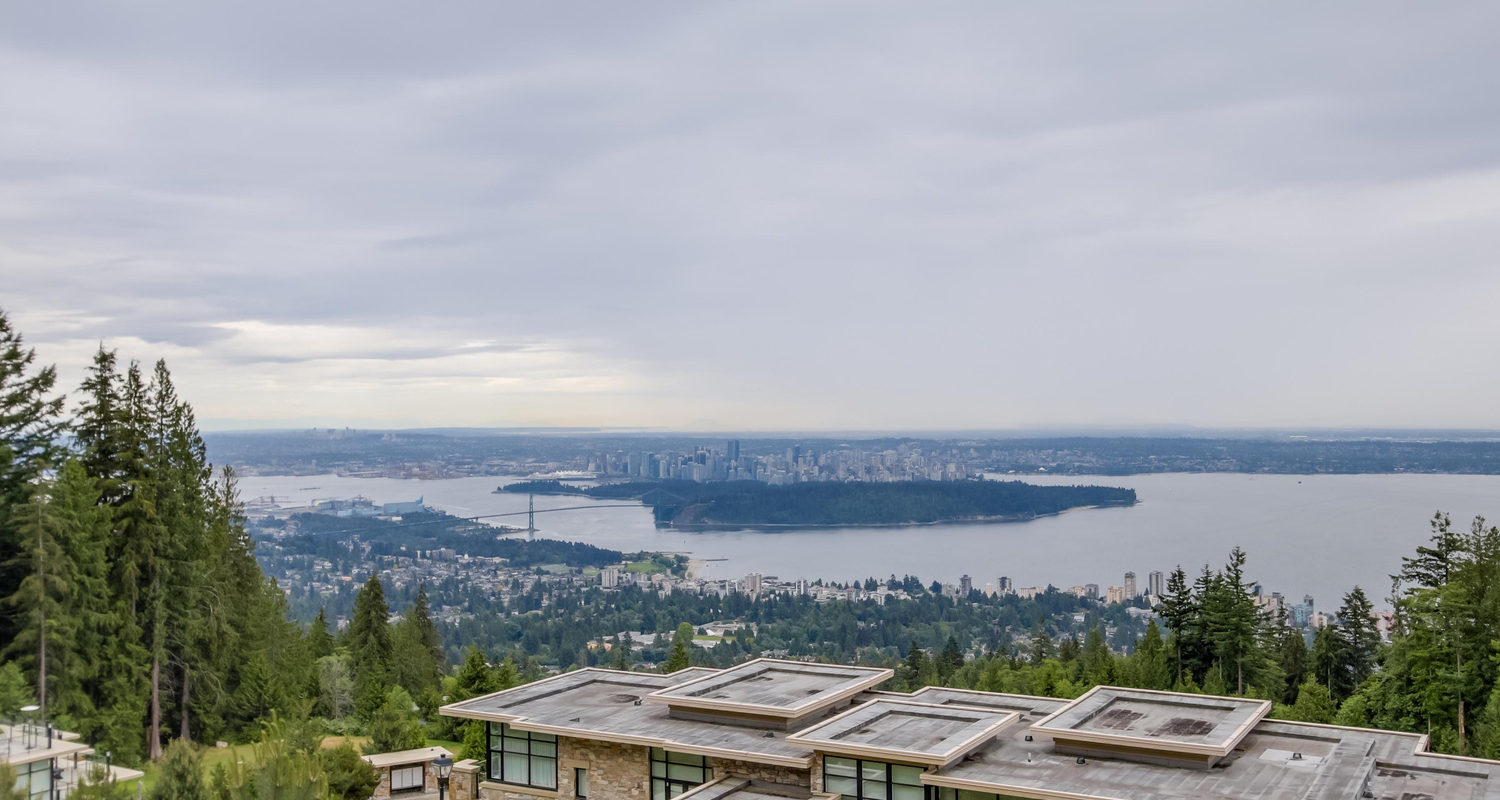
786,689
735,788
1161,721
609,706
903,730
1275,761
1029,707
24,743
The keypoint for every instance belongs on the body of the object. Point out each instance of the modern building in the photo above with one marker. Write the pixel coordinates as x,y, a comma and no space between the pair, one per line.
785,729
1130,592
50,763
1156,583
965,586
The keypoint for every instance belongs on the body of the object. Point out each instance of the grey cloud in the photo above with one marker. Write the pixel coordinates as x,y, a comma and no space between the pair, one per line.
997,213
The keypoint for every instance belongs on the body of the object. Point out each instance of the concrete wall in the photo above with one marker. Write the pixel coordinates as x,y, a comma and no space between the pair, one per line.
622,772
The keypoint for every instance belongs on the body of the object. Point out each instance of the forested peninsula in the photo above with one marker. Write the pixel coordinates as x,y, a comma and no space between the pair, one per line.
750,504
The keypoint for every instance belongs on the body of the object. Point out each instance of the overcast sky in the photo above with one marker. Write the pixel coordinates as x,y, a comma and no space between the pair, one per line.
764,215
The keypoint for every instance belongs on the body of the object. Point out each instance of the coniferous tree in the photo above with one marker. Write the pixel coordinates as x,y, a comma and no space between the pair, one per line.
1097,663
1177,608
319,640
30,424
349,776
1151,669
681,655
39,598
370,647
417,652
181,775
394,725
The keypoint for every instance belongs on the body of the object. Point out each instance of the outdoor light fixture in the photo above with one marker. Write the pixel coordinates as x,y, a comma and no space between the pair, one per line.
444,766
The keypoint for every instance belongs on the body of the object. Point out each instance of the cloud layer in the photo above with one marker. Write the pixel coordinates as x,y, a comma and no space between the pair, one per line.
764,215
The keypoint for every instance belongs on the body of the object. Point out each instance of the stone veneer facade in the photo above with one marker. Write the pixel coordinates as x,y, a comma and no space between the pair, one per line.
622,772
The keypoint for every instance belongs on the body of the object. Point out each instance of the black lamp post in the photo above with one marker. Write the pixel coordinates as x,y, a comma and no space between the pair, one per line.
444,766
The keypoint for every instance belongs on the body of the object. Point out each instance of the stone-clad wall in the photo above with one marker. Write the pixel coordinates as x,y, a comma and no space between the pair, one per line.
615,771
623,772
429,781
759,772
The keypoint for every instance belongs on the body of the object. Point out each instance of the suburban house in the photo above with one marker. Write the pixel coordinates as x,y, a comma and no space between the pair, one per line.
770,729
50,763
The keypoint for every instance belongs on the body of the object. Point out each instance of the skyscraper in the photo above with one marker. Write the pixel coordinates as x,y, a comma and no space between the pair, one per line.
1156,583
965,586
1130,586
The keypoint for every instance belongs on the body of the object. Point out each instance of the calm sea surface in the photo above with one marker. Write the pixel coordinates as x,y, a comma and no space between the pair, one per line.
1316,535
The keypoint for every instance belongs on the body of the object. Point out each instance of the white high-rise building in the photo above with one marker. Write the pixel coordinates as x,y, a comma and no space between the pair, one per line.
609,577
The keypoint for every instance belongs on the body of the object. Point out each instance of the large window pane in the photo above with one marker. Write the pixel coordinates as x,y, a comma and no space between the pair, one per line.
515,768
544,772
910,776
843,767
844,786
904,792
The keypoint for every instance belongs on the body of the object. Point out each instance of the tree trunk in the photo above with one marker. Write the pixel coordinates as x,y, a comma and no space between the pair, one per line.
1458,655
41,609
185,733
154,733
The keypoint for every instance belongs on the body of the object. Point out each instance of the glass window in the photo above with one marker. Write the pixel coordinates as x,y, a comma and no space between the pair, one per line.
674,773
34,779
407,778
522,757
856,779
580,782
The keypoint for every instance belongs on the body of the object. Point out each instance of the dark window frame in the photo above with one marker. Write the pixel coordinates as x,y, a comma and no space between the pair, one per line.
499,734
419,788
887,781
666,782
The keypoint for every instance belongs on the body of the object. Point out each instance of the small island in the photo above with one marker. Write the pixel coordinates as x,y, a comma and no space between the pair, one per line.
750,504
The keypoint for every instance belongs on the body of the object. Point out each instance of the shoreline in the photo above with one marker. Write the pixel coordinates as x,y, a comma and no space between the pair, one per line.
798,526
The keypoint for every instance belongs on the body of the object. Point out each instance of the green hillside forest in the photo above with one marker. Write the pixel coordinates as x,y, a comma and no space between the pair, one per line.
691,505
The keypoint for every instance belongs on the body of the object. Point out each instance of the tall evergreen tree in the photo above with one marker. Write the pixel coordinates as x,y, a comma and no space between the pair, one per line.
30,424
370,647
1177,609
681,655
40,597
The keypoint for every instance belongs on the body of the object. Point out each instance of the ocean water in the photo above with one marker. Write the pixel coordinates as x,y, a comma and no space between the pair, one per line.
1318,535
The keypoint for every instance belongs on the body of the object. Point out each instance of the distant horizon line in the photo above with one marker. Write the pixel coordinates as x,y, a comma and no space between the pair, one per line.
1041,431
